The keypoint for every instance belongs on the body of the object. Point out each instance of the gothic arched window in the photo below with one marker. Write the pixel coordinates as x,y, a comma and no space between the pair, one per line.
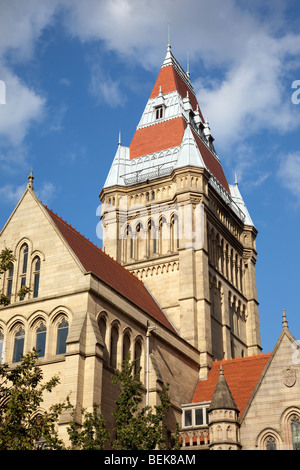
36,276
41,339
126,346
271,444
24,262
114,336
62,334
137,358
19,344
295,424
9,282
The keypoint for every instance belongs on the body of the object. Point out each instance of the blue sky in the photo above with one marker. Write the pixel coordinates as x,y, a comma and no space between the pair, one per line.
78,72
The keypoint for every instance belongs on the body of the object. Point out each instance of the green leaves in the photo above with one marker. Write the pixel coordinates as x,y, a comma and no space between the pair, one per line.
137,428
22,425
92,435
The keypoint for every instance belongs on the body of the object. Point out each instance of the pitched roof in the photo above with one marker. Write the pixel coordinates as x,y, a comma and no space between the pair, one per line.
241,374
94,260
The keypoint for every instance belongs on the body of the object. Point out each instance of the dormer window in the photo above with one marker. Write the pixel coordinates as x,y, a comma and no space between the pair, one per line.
159,112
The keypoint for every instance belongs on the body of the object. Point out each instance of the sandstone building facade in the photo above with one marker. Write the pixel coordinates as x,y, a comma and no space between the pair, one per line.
174,283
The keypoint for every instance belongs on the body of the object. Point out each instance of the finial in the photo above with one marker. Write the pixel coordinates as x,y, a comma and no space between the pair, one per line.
169,37
284,320
221,370
235,179
187,64
30,181
119,143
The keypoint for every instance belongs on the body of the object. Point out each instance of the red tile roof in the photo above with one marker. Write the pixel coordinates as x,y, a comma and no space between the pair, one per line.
94,260
160,136
241,374
170,80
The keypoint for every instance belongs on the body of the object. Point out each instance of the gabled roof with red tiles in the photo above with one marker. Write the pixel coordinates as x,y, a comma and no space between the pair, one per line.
94,260
241,374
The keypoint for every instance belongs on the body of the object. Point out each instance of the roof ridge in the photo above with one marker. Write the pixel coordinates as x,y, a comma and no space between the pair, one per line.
73,228
241,359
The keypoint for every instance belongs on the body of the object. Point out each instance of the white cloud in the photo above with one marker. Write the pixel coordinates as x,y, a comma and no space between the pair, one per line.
289,173
23,107
46,192
11,193
250,46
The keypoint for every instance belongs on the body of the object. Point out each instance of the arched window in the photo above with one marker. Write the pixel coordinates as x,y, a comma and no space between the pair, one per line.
9,282
152,237
1,347
62,334
126,346
295,424
137,358
41,339
102,327
129,243
114,336
19,344
271,443
24,261
36,276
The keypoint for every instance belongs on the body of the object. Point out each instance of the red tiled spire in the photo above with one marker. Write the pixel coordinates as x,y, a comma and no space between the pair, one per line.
157,135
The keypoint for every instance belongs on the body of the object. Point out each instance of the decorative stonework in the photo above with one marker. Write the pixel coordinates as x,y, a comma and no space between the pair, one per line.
289,377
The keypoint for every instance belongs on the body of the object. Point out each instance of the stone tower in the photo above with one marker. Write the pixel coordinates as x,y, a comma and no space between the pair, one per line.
171,218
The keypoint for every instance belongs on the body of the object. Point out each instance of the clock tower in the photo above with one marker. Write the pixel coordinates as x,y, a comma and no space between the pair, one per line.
171,218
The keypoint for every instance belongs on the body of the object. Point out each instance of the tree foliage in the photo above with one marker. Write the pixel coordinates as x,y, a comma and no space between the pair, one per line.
137,427
93,434
22,425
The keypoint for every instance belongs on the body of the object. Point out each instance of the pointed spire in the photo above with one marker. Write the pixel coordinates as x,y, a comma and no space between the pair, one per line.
30,181
235,178
119,143
222,397
169,38
187,65
284,320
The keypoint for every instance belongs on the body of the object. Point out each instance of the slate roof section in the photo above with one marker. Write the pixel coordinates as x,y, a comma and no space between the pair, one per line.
94,260
241,374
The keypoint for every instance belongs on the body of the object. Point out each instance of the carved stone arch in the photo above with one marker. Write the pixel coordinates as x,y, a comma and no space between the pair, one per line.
37,316
16,320
269,435
60,311
285,425
20,243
